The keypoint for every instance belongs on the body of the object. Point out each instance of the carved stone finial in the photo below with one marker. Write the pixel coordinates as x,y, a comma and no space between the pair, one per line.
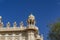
31,19
1,24
31,16
8,24
14,25
0,19
21,24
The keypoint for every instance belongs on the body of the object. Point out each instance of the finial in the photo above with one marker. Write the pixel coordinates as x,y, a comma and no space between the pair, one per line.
31,16
0,19
8,24
14,24
31,20
21,23
2,24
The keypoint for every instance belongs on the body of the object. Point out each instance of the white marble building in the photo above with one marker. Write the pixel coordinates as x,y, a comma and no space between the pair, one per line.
29,32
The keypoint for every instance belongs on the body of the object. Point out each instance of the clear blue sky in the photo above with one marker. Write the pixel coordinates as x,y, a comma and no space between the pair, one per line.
45,11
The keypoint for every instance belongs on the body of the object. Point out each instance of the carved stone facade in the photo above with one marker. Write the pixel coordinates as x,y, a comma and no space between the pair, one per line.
30,32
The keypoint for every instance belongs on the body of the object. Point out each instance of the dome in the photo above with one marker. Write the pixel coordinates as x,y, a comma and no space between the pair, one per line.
31,16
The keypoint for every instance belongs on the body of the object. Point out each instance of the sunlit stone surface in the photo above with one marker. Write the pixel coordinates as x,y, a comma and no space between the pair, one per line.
29,32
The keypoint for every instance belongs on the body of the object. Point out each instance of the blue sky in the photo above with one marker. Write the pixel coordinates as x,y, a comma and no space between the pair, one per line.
45,11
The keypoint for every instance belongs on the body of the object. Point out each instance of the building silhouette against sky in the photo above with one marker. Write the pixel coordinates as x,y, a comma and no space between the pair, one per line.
30,32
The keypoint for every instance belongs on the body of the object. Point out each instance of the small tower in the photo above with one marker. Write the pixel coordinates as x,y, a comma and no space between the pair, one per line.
31,20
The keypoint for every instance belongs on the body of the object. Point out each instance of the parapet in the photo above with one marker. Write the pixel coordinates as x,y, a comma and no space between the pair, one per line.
16,28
